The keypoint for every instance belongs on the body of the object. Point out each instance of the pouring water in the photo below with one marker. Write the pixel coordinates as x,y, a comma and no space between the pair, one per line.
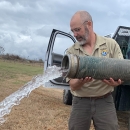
39,80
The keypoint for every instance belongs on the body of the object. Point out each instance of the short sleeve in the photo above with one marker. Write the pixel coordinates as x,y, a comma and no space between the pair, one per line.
117,53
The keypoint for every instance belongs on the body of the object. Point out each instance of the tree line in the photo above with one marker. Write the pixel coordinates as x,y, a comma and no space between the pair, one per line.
18,58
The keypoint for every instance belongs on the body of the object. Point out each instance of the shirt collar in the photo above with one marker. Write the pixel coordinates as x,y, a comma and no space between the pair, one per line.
99,41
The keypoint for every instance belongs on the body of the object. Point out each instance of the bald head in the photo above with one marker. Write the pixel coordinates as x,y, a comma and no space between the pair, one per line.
81,25
81,16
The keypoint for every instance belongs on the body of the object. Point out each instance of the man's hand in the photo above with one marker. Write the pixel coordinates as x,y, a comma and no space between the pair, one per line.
76,84
85,80
112,82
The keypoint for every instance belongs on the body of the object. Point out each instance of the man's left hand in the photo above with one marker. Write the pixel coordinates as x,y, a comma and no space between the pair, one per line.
112,82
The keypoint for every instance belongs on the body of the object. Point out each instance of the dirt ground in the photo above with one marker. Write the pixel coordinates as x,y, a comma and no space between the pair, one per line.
44,110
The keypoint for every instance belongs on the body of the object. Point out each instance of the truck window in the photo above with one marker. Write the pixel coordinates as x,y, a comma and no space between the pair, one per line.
122,36
62,43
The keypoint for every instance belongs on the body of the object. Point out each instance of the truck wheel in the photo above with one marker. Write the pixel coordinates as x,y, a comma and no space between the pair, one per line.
67,97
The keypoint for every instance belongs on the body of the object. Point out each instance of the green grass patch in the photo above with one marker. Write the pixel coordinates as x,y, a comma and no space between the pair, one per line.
13,70
20,68
17,82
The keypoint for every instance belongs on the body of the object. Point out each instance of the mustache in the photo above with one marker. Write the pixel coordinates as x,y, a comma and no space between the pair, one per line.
77,37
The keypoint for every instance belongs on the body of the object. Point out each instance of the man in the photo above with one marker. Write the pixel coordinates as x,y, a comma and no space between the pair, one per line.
92,99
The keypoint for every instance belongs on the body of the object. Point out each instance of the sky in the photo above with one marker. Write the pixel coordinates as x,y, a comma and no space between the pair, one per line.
26,25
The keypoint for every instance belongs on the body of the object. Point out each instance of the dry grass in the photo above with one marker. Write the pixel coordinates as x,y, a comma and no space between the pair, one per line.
42,110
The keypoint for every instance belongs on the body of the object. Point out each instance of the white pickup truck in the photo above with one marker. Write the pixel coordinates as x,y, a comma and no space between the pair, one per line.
57,46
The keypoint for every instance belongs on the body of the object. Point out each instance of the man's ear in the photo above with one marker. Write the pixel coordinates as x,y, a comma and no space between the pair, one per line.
89,23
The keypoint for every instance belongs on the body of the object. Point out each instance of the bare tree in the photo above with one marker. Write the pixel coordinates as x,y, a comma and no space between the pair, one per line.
1,50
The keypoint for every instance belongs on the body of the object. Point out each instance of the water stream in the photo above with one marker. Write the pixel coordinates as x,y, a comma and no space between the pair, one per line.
14,99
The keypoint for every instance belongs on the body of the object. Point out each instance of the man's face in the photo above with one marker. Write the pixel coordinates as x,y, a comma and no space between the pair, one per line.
83,38
81,33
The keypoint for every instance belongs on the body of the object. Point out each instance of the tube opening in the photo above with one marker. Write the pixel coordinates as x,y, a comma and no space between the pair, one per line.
65,66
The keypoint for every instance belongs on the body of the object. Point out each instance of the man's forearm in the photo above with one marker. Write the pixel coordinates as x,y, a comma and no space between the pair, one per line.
75,84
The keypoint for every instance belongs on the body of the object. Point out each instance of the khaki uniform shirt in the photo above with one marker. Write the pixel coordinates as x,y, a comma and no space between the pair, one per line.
104,47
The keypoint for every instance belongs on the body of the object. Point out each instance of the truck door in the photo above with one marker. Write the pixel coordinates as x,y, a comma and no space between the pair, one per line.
122,95
57,47
122,36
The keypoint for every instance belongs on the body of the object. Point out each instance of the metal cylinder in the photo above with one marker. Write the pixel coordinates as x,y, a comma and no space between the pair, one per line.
74,66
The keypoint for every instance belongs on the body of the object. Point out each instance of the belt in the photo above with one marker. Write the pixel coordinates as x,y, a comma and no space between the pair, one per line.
98,97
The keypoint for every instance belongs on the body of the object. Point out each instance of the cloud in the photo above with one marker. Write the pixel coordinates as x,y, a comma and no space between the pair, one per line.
26,25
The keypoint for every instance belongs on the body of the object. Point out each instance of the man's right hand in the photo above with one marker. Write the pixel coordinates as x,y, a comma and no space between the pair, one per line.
76,84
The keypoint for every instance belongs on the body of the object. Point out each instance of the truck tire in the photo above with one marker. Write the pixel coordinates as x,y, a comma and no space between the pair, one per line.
67,97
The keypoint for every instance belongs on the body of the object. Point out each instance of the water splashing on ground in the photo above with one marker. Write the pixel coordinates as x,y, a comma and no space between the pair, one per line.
14,99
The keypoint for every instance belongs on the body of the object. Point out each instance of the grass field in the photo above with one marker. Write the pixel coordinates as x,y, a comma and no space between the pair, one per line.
15,74
43,109
11,69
